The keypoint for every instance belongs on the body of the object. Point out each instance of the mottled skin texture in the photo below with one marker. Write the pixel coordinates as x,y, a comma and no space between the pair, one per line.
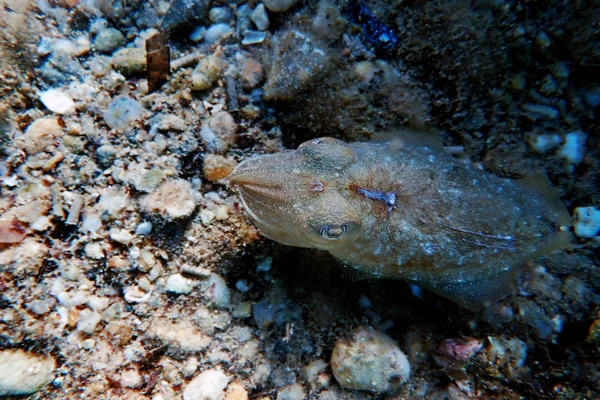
402,211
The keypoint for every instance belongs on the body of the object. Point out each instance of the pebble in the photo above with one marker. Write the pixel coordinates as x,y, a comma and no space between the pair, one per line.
190,367
209,385
369,361
544,143
217,32
22,373
236,391
279,5
88,320
253,37
58,101
260,18
41,135
178,284
145,228
574,148
206,73
536,111
122,112
587,222
93,251
173,199
220,14
108,40
217,167
130,61
292,392
218,292
121,236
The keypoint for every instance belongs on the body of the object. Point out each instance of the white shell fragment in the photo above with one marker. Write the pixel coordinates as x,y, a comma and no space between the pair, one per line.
58,101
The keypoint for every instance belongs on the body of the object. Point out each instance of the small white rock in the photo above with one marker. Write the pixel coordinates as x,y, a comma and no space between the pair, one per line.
209,385
88,320
587,222
145,228
218,291
543,143
58,101
253,37
217,32
121,236
574,148
260,18
93,251
176,283
207,216
190,367
22,373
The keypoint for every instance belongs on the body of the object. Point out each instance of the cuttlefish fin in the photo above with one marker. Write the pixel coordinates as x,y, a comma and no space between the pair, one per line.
475,292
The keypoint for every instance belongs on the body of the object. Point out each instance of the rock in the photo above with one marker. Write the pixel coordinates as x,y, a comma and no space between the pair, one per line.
108,40
250,72
253,37
41,135
217,32
220,132
206,73
182,12
574,148
173,199
130,61
218,292
236,391
217,167
121,236
369,361
122,112
176,283
544,143
88,320
209,385
58,101
219,15
260,18
587,222
145,228
22,373
292,392
279,5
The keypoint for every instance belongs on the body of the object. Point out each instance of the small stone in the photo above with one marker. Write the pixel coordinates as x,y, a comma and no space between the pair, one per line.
260,18
173,199
121,236
122,112
217,32
543,40
206,72
535,111
253,37
190,367
131,378
88,320
544,143
41,135
242,310
130,61
220,14
58,101
93,251
218,292
22,373
145,228
574,148
279,5
369,361
88,344
250,72
106,154
236,391
587,222
108,40
209,385
217,167
560,70
176,283
207,217
292,392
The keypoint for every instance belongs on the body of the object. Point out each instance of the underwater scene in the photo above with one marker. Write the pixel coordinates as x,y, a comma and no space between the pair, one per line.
299,199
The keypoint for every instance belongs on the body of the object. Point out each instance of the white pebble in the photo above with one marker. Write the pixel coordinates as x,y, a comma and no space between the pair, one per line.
190,367
218,291
93,251
209,385
176,283
197,34
260,18
91,223
121,236
88,344
58,101
145,228
253,37
574,148
133,294
207,216
217,32
587,222
122,112
88,320
22,373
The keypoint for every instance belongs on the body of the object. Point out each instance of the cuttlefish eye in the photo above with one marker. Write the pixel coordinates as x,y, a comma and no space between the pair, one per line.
333,232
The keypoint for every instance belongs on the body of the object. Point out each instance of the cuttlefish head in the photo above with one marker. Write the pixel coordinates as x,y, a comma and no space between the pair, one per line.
294,197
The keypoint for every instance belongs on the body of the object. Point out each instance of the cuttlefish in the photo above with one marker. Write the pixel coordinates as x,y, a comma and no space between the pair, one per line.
404,211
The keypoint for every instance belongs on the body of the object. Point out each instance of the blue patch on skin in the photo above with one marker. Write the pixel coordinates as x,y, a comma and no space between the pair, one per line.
389,198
